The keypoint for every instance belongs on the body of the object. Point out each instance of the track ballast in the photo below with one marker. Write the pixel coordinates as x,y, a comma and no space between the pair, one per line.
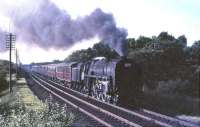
103,113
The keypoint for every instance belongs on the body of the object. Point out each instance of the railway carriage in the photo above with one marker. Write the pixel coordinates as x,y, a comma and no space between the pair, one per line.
51,71
41,69
64,72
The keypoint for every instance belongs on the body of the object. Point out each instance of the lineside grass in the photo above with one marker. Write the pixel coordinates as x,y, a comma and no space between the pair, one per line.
22,109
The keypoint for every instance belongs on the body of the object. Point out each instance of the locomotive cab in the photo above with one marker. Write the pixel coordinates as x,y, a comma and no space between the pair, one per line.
128,82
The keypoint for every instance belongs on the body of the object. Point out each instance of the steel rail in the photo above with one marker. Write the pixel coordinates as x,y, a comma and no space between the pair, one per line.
119,108
73,105
93,106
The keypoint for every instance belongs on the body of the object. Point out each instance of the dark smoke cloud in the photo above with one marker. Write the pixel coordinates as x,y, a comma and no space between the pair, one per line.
50,26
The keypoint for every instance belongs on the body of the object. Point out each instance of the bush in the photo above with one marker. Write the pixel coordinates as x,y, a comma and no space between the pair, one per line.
3,83
17,115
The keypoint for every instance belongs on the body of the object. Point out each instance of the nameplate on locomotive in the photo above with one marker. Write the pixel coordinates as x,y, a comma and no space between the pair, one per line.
127,65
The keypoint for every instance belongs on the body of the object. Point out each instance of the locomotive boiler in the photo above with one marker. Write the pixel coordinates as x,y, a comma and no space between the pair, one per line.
114,81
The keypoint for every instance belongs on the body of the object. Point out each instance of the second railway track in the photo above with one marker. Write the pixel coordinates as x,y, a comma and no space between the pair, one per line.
105,114
103,117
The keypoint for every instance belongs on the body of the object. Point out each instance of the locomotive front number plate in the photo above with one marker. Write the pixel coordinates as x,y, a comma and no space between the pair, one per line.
127,65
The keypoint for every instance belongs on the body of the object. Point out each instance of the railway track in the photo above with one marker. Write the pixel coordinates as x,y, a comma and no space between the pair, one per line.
101,116
106,114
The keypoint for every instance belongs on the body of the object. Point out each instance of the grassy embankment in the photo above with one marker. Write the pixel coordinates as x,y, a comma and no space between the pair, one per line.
22,109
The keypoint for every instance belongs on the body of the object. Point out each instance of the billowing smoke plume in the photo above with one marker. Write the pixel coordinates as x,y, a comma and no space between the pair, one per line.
50,26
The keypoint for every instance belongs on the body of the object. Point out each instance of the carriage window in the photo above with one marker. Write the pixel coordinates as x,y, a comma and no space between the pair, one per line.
60,69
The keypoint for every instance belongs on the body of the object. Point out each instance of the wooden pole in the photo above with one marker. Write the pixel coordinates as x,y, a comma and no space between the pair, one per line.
10,63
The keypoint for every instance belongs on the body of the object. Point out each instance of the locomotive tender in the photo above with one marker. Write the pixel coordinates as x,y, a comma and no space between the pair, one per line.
115,81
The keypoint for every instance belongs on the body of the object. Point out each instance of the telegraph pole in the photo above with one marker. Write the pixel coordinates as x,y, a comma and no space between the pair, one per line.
10,40
16,62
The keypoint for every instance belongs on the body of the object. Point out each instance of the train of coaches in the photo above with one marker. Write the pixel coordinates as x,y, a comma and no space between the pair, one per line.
116,81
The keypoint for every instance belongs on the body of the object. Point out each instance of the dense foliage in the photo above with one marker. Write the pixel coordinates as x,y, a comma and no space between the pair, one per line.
3,72
99,49
194,52
18,115
169,66
3,82
163,40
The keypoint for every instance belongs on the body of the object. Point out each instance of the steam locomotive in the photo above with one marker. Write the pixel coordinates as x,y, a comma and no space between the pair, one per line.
115,81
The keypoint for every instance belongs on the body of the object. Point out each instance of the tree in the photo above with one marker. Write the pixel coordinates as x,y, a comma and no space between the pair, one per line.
131,43
142,41
99,49
102,49
79,55
196,47
167,41
56,61
164,36
195,51
4,83
182,40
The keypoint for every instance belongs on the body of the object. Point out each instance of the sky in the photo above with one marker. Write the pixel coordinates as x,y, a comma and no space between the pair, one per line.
138,17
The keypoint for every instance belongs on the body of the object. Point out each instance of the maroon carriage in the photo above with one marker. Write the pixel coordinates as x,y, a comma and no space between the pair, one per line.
63,71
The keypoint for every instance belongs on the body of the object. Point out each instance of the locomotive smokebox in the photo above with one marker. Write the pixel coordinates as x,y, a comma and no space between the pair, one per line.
123,57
